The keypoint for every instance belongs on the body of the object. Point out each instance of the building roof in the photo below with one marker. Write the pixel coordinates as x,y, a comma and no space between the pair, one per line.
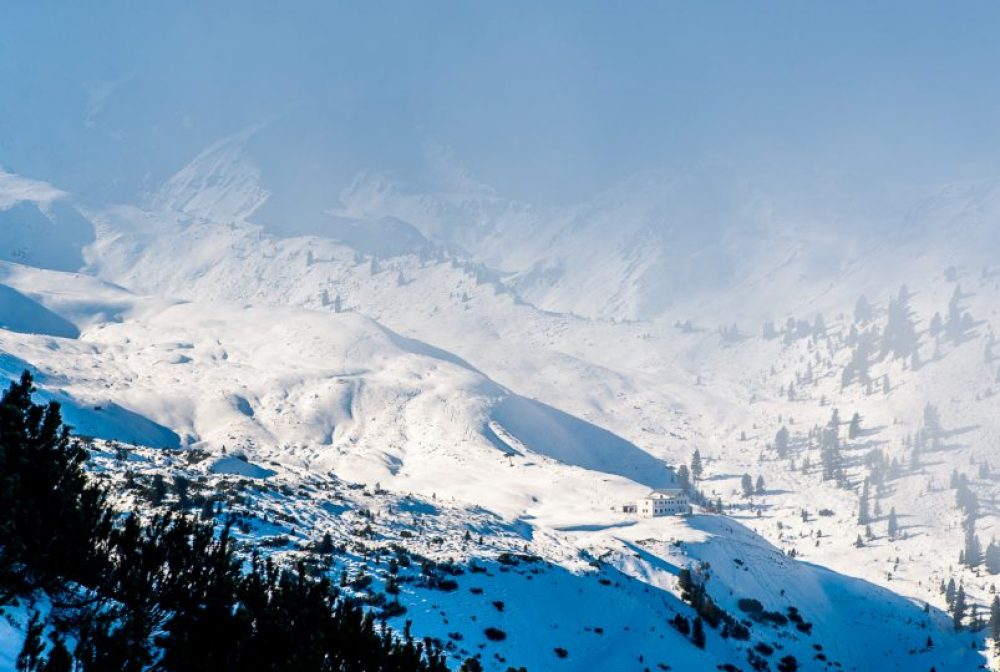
665,492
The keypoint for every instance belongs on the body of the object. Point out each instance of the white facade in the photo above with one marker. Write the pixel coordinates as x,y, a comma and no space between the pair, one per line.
665,502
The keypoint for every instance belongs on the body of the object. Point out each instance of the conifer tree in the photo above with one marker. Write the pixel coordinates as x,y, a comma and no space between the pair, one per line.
781,442
684,478
698,633
995,622
863,517
696,465
958,610
854,430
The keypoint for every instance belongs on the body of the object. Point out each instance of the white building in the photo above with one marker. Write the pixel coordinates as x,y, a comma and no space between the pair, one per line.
660,502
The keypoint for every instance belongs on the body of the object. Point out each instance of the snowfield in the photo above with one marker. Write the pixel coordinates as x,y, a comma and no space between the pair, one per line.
470,379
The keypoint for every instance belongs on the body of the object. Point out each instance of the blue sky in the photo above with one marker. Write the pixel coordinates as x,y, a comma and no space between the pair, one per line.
548,102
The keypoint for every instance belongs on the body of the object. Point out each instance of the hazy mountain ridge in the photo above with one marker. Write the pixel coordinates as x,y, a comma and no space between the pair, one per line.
666,390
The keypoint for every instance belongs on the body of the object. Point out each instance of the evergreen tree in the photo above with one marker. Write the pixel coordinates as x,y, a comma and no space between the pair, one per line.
954,324
993,558
830,455
747,483
471,665
158,490
781,442
684,478
30,658
900,335
854,430
958,609
182,487
59,658
863,517
995,622
973,550
45,539
170,585
696,466
893,526
759,488
698,633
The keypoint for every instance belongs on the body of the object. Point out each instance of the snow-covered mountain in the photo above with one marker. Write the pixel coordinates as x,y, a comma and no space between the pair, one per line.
534,367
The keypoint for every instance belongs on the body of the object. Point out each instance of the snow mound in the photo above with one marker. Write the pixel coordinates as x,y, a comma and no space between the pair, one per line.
240,467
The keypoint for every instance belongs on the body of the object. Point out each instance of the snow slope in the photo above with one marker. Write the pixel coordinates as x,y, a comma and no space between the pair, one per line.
456,364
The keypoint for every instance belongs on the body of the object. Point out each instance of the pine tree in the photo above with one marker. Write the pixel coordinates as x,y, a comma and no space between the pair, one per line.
59,658
30,657
471,665
958,610
696,466
747,483
893,527
158,491
684,478
900,335
759,488
698,633
995,622
854,430
954,324
169,584
993,558
781,441
863,517
973,550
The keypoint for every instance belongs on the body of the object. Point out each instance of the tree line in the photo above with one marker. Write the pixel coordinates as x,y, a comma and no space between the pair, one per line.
166,594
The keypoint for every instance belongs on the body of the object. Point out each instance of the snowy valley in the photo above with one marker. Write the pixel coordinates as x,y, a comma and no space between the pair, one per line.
398,388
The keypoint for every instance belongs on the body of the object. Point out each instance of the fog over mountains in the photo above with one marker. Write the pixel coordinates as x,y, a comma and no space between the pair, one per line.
457,285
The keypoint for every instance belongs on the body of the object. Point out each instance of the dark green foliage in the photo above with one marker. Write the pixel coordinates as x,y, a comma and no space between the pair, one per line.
170,591
59,659
471,665
788,664
44,538
495,634
698,633
958,608
697,469
995,621
158,490
30,657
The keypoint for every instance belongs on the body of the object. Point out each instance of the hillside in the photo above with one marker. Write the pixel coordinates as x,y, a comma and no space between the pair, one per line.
429,368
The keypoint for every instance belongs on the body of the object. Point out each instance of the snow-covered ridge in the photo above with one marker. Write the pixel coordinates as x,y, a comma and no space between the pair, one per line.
331,391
